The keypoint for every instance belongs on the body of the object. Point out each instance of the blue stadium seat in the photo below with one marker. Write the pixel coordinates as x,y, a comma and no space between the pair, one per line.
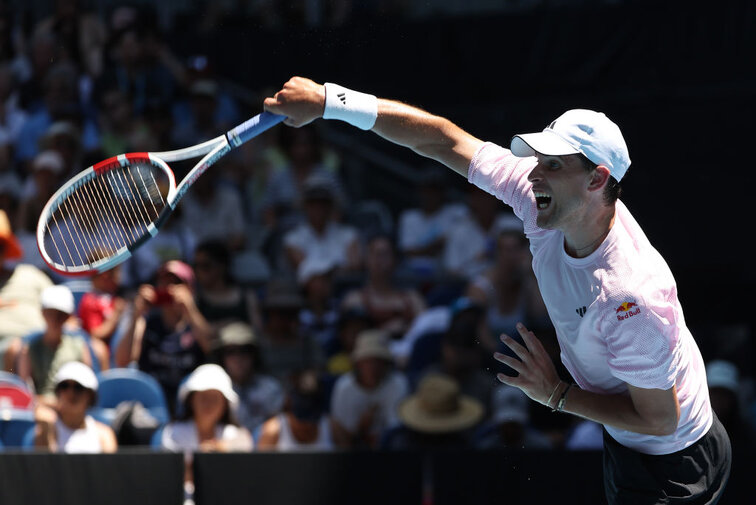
157,436
15,426
129,384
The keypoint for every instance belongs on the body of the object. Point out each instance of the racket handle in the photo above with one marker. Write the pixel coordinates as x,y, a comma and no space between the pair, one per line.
252,128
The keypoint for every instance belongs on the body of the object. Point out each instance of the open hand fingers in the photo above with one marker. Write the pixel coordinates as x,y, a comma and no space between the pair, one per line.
521,351
514,363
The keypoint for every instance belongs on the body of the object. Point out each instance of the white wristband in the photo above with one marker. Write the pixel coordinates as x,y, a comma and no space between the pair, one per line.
357,109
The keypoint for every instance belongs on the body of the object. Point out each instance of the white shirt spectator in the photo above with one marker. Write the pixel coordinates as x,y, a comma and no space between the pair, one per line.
81,441
333,245
182,436
221,218
349,401
418,229
469,248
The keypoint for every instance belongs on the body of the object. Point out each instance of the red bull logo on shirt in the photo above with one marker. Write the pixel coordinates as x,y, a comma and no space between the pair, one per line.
627,310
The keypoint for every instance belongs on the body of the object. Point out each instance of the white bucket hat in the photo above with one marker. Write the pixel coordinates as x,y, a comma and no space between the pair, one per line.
209,377
578,131
77,372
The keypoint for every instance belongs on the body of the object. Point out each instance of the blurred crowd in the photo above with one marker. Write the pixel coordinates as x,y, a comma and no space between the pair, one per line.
274,311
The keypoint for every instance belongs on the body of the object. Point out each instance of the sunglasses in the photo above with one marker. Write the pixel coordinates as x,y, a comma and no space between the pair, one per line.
77,388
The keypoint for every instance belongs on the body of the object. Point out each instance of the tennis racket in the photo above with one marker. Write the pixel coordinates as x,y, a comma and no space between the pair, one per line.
99,217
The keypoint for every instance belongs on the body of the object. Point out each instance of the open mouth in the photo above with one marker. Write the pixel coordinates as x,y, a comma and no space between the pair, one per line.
543,200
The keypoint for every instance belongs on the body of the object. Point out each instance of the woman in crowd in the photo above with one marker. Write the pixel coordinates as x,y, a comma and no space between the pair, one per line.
390,307
67,427
219,297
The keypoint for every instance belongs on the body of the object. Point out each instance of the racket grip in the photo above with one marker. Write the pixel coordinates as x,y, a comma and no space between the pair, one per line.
252,128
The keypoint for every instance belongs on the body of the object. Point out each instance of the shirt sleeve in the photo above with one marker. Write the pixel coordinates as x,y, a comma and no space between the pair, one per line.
497,171
644,348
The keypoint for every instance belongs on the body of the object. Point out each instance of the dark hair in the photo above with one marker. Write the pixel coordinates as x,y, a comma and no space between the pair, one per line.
187,413
219,253
612,190
92,394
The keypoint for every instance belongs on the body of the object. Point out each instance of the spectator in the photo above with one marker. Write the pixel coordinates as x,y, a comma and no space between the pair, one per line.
67,427
351,323
38,357
120,127
284,196
393,309
219,297
723,378
304,424
364,401
214,211
463,353
44,179
321,235
100,309
81,35
176,241
320,313
41,57
437,416
167,335
138,67
260,396
61,102
20,289
284,347
470,243
206,117
508,289
510,423
423,229
12,116
207,420
64,138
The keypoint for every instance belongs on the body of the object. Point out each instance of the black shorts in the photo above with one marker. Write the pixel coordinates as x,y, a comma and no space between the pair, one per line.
695,475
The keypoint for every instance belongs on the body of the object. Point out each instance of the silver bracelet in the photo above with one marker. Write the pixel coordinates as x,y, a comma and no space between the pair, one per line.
562,399
548,402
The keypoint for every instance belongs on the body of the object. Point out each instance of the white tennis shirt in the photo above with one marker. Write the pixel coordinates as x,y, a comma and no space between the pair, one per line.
616,312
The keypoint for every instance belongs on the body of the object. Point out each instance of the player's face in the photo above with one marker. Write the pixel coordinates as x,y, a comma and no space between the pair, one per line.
560,190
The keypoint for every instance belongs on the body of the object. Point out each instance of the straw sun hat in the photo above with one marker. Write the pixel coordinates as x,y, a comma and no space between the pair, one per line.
439,407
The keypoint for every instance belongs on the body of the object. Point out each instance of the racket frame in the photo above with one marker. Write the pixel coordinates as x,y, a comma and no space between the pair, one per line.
211,150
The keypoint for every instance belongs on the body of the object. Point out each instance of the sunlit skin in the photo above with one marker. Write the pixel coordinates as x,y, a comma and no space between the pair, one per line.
72,404
208,408
370,372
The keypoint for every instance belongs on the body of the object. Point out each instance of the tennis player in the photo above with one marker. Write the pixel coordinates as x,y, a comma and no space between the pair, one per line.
611,297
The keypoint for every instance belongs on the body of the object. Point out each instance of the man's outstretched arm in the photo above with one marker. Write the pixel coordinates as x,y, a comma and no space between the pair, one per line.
303,100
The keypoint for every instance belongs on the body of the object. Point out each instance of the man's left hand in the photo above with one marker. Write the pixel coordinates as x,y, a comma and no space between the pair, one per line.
537,376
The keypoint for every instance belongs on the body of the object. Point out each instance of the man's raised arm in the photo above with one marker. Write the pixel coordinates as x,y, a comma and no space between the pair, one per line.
302,101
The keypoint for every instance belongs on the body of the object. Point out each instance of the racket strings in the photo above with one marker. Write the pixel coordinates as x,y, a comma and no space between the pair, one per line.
105,213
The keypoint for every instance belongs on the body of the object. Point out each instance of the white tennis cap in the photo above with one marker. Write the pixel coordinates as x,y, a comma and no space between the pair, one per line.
209,377
57,297
77,372
578,131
